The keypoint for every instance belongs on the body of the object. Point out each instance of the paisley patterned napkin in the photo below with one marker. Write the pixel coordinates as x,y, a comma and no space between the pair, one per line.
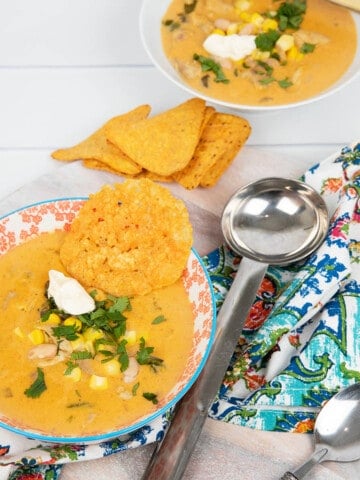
298,348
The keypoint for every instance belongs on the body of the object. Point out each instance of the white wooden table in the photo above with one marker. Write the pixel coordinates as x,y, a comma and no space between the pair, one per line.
65,68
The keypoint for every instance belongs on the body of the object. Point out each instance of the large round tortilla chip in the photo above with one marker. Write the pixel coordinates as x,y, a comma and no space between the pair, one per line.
129,239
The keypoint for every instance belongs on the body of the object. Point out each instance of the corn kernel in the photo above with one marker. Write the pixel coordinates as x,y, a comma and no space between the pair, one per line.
245,16
19,332
259,55
79,343
53,319
256,19
269,24
75,374
218,31
294,53
285,42
242,5
112,368
232,29
98,383
37,336
73,321
92,334
130,337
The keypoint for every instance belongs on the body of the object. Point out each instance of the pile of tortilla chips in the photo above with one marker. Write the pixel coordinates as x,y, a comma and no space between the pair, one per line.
191,144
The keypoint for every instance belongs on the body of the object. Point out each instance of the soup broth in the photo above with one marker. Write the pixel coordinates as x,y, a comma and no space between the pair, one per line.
295,77
68,408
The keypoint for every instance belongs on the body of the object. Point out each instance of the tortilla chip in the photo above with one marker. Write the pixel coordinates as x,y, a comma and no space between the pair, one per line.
97,165
154,176
129,239
165,143
213,143
97,147
237,134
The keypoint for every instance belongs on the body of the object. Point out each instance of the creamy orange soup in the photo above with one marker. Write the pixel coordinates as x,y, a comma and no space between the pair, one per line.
320,51
73,408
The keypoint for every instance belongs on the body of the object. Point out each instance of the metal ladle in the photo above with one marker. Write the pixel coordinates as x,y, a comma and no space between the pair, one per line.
271,221
336,432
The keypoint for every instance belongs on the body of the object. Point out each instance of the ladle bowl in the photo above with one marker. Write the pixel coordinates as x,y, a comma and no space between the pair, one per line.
273,220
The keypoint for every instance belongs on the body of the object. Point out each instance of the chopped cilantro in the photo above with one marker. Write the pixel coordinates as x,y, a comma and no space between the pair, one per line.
70,367
158,319
285,83
81,355
291,14
307,47
171,24
123,357
151,397
38,386
266,41
266,80
69,332
144,357
208,64
135,388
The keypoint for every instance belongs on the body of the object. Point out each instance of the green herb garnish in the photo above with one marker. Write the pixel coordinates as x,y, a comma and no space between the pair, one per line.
151,397
38,386
291,14
135,388
285,83
307,47
158,319
266,41
144,357
208,64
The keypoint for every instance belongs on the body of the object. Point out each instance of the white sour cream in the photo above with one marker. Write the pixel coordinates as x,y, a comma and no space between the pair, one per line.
233,46
68,294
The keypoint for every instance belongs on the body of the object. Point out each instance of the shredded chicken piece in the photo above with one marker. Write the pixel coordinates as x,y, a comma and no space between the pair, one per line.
305,36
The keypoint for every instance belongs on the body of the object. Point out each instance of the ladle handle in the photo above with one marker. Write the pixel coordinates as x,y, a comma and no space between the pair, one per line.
300,472
171,456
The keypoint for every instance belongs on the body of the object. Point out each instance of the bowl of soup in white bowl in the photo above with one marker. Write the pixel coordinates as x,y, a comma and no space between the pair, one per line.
253,55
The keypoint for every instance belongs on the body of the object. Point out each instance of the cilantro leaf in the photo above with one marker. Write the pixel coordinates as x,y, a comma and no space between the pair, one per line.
208,64
151,397
285,83
307,47
158,319
67,331
291,14
144,357
266,41
81,355
38,386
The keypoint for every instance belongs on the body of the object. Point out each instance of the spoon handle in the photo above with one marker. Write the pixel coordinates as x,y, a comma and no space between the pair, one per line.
171,456
300,472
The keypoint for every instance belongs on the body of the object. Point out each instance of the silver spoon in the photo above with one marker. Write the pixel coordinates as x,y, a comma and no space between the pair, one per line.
274,221
336,432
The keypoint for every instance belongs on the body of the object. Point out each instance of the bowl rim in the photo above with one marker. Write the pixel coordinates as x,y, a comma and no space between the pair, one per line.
142,422
161,62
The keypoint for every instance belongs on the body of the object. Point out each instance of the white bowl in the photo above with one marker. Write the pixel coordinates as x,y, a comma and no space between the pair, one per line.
47,216
151,14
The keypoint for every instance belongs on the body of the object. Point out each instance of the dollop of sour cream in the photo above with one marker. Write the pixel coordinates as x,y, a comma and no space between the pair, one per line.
68,294
232,46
